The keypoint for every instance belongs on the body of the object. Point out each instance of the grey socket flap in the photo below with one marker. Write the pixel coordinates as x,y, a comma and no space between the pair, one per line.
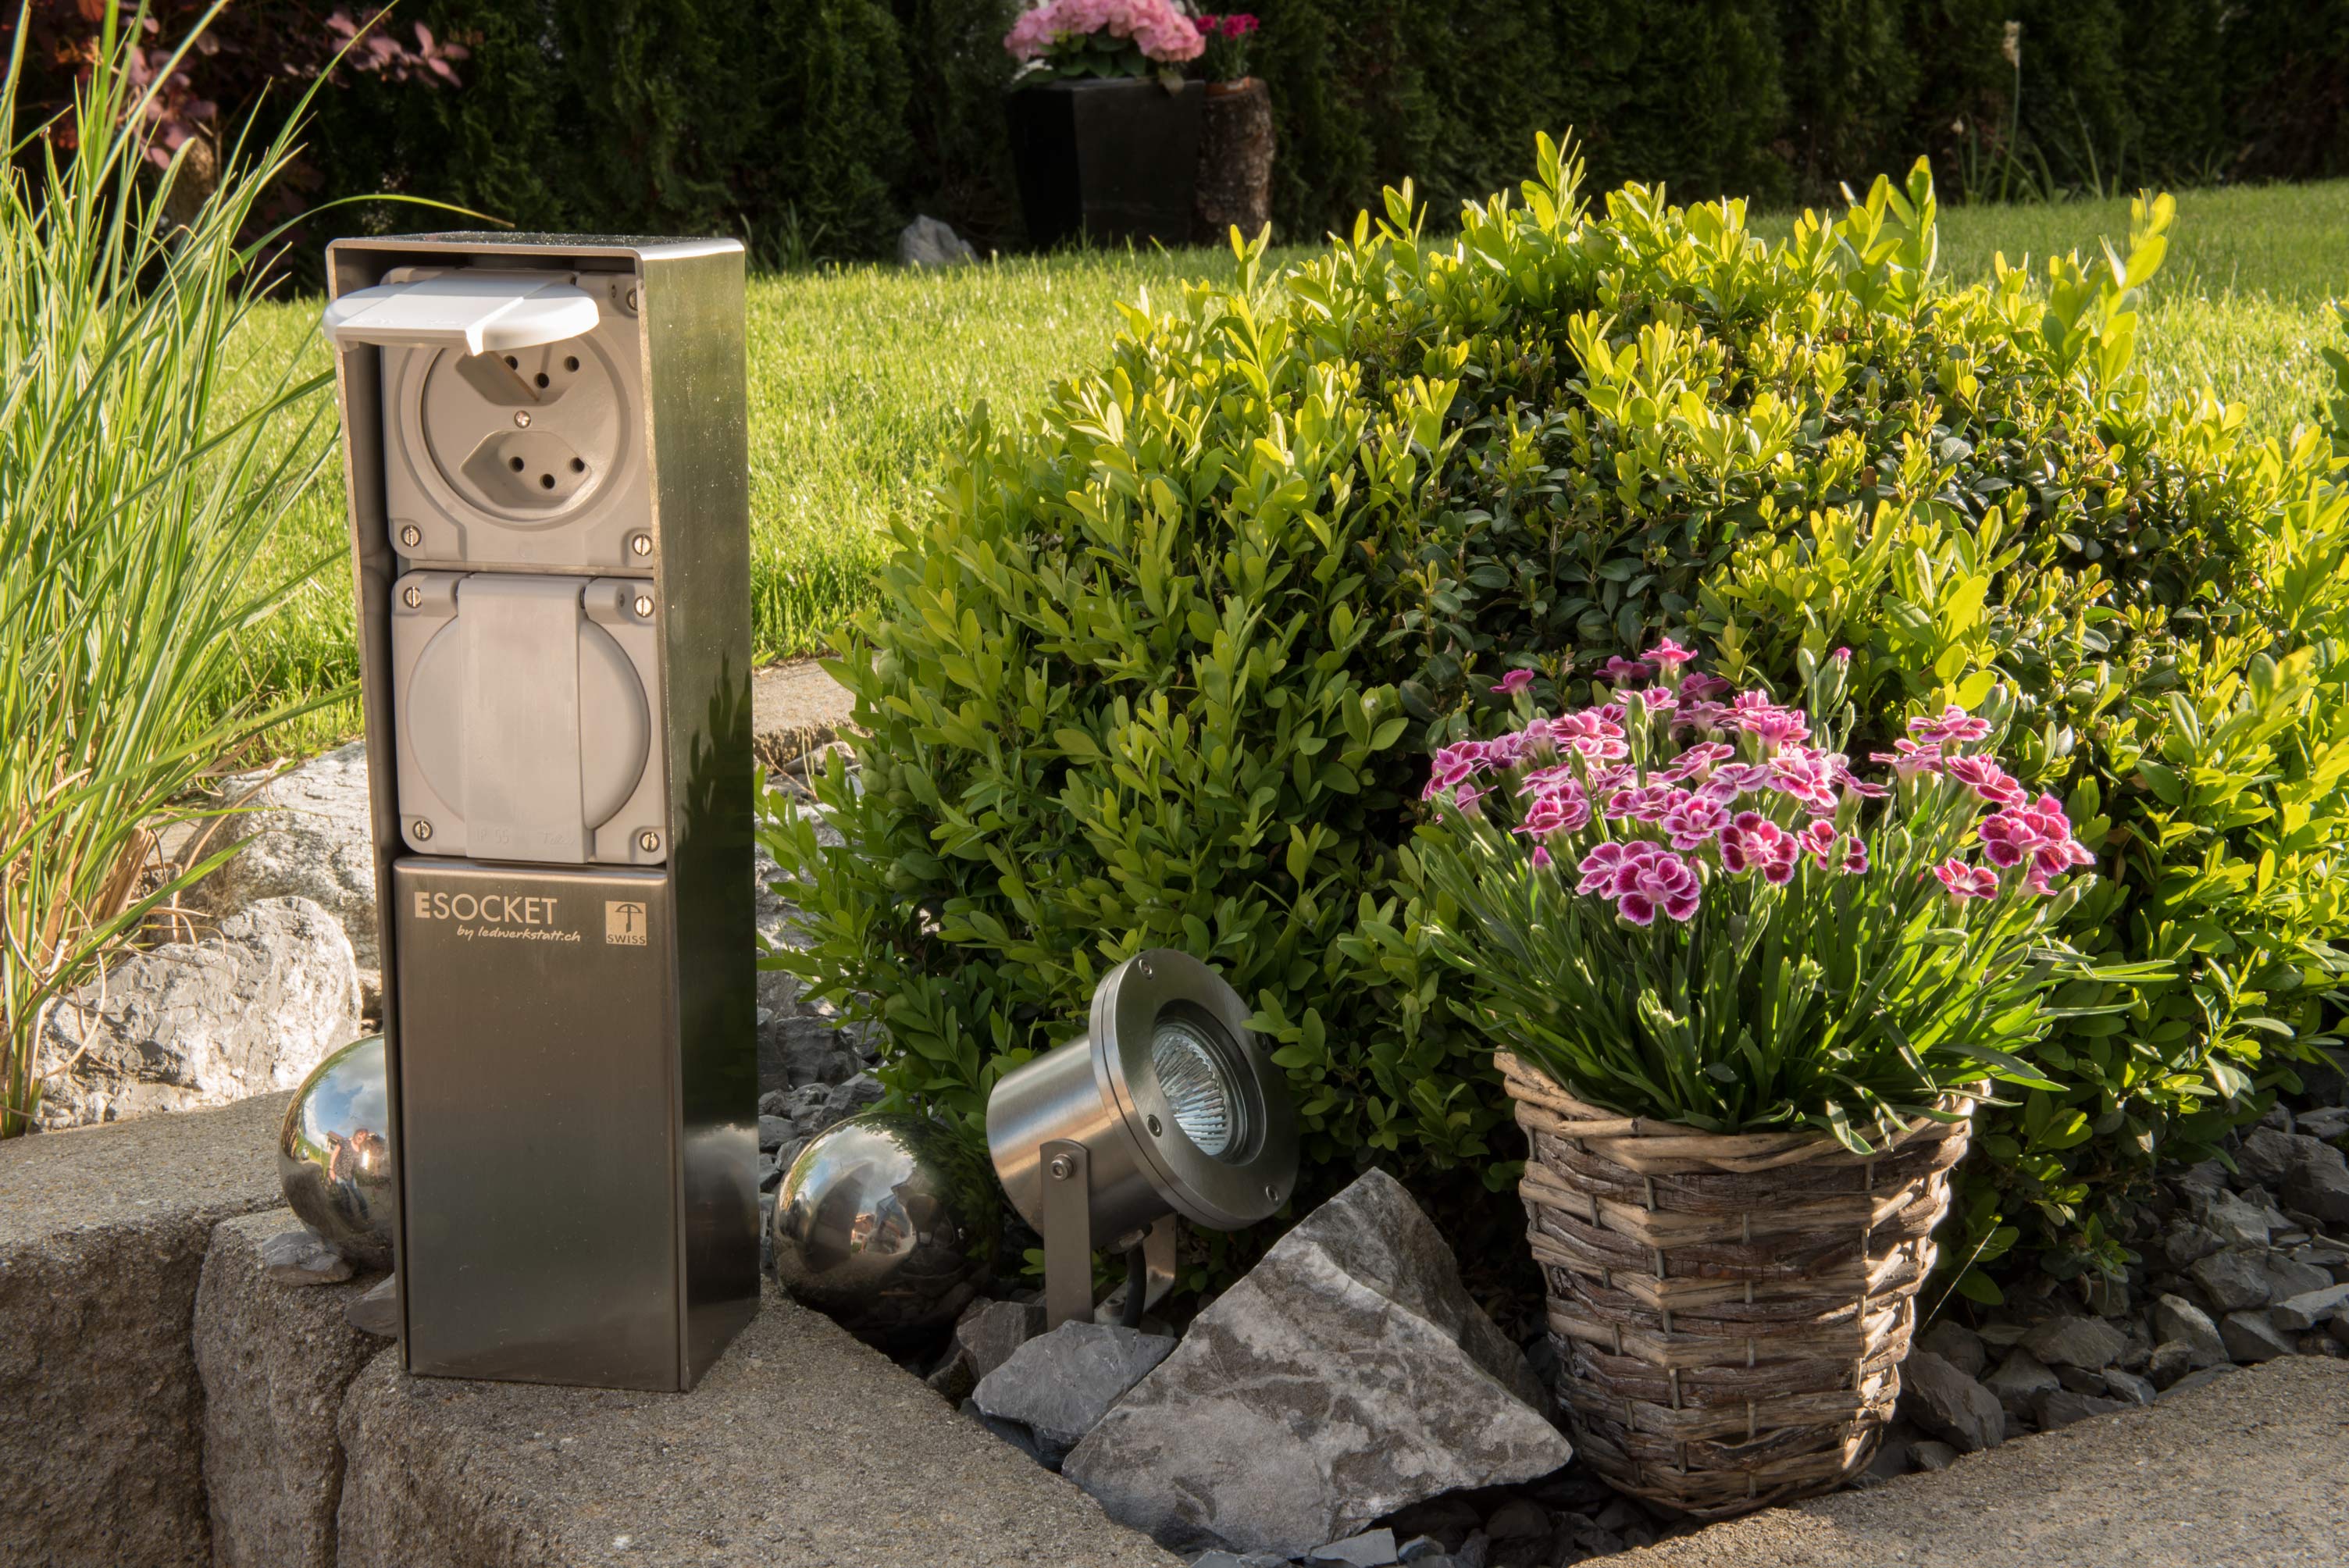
523,709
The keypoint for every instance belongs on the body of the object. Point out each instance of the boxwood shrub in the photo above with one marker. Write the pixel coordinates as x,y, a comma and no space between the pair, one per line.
1161,665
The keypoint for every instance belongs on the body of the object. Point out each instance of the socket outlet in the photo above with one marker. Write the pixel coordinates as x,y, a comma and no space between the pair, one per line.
527,458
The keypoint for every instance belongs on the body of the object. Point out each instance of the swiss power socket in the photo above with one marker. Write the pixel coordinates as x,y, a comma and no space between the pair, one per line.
528,458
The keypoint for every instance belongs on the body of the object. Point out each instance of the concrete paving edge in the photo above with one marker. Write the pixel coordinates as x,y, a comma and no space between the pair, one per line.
802,1449
103,1232
2247,1471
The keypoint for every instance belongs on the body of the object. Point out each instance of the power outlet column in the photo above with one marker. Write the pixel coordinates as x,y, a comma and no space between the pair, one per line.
547,465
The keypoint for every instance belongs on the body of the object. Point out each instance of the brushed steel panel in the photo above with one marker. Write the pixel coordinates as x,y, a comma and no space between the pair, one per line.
537,1073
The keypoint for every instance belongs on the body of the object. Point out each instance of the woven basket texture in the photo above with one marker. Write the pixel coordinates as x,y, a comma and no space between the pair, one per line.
1731,1311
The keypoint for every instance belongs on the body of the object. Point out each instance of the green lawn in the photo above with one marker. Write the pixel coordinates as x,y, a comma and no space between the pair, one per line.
858,377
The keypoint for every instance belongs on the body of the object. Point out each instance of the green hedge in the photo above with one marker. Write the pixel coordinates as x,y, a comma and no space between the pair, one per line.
815,128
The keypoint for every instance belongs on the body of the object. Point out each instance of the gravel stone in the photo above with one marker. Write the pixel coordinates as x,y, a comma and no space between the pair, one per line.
2233,1279
2176,1318
1956,1344
2268,1155
1060,1385
2310,1308
2019,1382
2236,1221
1371,1548
298,1256
1933,1455
2129,1386
2187,1243
2084,1342
1949,1404
2171,1359
2251,1337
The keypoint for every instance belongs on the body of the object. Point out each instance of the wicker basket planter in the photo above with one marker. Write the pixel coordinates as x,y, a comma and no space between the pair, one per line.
1732,1311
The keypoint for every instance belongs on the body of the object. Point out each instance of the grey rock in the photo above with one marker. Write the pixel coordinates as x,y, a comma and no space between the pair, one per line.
1947,1403
274,1364
796,1051
774,1102
2268,1155
1520,1518
770,1173
1932,1456
2233,1279
775,1131
2004,1335
1475,1551
1060,1385
1347,1376
1956,1344
2171,1359
2129,1386
2327,1125
1371,1548
306,833
1891,1460
297,1256
2237,1221
1234,1560
2193,1380
2319,1183
2019,1382
927,242
375,1311
989,1332
250,1008
952,1379
819,1106
2176,1319
2062,1407
2186,1242
2083,1342
2080,1381
2297,1314
2251,1337
2287,1278
2202,1180
1419,1549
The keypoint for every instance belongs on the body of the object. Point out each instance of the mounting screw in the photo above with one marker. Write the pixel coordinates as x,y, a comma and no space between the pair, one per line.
644,604
1142,967
632,299
1157,1129
411,536
648,840
1062,1168
422,830
640,544
521,418
1272,1191
412,596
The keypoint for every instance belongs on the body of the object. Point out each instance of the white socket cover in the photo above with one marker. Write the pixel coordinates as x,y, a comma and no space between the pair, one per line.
523,709
525,457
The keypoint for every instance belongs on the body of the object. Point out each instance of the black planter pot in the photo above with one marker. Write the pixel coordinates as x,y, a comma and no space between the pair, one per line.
1107,160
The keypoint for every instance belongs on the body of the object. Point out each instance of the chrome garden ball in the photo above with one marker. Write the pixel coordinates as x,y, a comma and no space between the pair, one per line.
334,1154
889,1224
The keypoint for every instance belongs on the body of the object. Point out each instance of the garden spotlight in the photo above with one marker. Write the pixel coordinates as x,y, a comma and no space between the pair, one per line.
1168,1104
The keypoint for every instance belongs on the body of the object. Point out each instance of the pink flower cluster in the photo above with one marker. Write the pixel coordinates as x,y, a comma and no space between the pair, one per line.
1237,25
1746,794
1156,27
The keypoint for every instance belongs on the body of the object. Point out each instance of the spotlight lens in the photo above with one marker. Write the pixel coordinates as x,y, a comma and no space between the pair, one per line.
1195,1073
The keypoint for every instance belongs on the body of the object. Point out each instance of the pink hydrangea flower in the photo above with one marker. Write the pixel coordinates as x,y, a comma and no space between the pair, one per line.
1157,28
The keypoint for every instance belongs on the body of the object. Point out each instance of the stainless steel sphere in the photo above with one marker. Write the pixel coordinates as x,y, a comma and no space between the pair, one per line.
334,1154
889,1224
